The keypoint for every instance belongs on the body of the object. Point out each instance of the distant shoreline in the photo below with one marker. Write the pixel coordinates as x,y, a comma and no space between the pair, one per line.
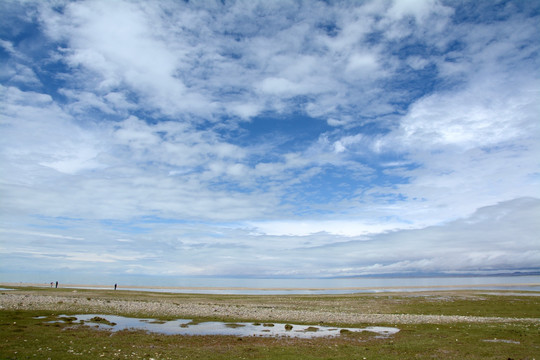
268,289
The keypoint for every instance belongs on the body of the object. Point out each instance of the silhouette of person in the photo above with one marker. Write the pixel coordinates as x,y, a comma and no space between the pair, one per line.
115,286
57,284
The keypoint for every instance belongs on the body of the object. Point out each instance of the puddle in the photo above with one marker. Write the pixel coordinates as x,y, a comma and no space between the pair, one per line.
188,327
502,341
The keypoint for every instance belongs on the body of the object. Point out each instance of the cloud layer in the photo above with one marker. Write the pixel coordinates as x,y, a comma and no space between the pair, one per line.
257,138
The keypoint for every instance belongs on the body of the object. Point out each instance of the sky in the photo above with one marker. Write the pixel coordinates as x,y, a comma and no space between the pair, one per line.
168,139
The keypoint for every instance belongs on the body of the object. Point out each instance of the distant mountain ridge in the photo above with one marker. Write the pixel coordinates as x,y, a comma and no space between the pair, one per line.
446,275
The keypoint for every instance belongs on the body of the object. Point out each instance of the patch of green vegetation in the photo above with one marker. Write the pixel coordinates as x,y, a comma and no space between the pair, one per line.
469,304
100,320
22,335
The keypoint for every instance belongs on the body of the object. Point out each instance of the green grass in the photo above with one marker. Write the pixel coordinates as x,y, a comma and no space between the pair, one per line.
468,305
23,336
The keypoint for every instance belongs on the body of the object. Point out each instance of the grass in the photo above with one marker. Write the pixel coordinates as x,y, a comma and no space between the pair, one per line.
469,305
24,336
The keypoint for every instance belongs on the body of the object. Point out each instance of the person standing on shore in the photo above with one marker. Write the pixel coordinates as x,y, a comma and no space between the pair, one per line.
57,284
115,285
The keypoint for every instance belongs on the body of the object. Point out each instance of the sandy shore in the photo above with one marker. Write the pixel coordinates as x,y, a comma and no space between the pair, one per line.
263,308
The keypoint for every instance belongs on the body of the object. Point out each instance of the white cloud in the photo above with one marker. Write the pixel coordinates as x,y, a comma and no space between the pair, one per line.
416,62
479,116
40,234
281,86
346,228
120,43
82,101
365,64
55,143
508,242
419,9
19,74
245,110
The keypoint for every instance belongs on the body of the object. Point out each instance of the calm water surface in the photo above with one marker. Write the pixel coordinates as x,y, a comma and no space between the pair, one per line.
188,327
339,285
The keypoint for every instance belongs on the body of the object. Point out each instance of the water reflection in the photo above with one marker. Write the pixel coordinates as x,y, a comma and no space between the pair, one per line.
189,327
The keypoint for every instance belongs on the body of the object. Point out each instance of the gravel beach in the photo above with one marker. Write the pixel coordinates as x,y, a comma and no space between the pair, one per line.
242,308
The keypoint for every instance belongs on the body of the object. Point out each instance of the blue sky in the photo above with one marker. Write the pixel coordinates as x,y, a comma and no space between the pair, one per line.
268,138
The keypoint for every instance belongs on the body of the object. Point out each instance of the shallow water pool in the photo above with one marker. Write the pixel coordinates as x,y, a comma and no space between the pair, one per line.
189,327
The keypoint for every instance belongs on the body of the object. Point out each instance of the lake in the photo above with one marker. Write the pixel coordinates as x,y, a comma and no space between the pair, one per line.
255,286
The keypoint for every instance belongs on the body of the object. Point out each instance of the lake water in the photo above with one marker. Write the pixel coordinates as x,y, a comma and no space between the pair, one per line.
256,286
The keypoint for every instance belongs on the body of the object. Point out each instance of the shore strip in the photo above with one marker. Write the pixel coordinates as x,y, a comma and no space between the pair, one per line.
292,289
196,307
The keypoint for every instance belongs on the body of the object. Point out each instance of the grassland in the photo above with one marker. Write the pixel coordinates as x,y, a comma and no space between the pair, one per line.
441,325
